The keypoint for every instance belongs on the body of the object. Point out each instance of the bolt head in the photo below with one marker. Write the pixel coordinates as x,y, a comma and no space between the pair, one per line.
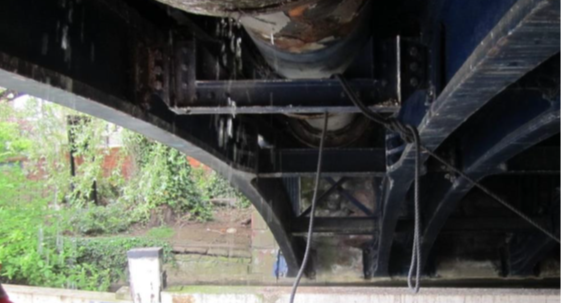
414,82
413,51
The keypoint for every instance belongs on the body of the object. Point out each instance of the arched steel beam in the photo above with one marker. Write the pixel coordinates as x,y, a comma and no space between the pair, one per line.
525,36
518,122
266,195
87,55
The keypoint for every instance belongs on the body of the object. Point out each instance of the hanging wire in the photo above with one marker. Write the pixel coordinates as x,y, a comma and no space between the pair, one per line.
312,213
410,135
416,251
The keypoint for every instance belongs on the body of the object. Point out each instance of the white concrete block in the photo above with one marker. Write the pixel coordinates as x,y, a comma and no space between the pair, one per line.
146,276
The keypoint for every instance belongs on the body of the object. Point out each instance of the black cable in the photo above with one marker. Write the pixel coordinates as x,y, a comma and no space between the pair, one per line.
390,123
312,214
410,135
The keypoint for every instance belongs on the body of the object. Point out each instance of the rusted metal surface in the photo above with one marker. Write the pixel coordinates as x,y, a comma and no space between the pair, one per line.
313,40
307,27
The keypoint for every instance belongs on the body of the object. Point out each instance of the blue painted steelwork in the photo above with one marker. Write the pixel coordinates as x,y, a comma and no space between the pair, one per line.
467,23
518,121
524,37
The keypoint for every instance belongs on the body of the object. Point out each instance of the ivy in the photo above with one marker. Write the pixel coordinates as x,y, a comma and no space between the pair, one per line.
164,178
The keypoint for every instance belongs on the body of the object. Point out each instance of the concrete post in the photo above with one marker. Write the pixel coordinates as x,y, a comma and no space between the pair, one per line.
146,275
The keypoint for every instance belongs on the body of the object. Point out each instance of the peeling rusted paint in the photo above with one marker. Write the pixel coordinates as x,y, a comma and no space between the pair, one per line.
308,27
293,26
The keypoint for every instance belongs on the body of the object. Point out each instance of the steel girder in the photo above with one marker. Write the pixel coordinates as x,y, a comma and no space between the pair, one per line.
301,162
525,36
283,97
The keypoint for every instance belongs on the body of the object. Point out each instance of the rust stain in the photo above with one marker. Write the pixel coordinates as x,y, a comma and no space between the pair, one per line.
298,11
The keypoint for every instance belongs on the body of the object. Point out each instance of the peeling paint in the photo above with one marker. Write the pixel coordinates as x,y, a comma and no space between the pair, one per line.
305,28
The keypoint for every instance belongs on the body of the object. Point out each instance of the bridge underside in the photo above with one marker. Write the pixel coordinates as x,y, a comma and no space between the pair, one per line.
480,80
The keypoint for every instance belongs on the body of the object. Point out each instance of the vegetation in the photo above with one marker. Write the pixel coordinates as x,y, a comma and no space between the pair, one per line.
49,215
162,232
165,179
213,186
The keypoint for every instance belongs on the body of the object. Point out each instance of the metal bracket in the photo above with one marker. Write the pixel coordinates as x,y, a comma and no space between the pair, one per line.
413,67
401,66
172,74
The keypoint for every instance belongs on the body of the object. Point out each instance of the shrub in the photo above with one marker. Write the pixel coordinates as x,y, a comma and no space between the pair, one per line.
35,251
163,178
97,220
109,257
